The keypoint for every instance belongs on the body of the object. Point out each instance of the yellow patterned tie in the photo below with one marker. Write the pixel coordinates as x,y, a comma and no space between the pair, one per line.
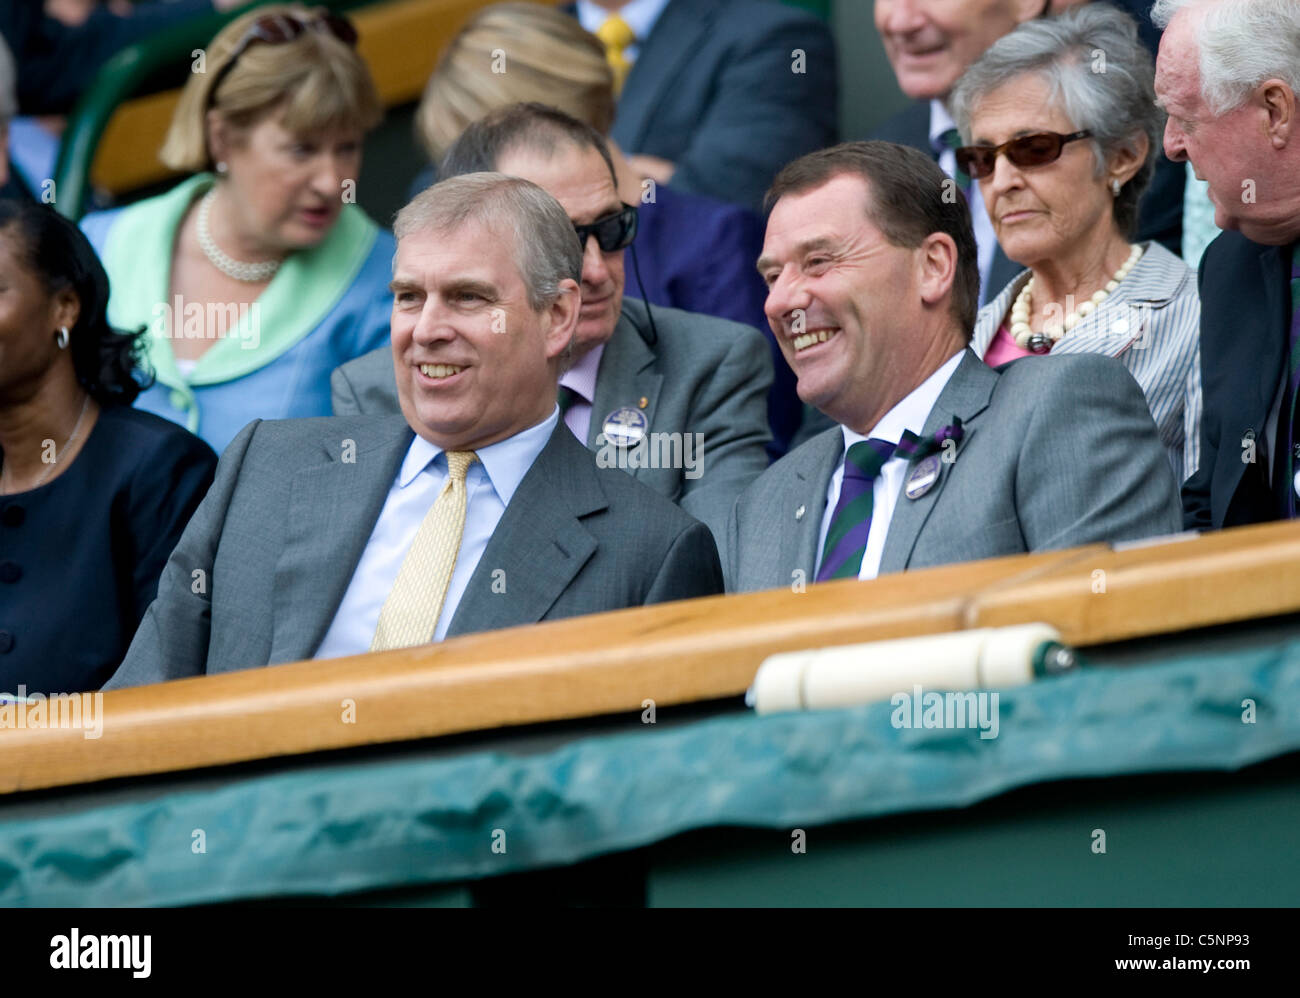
616,36
410,614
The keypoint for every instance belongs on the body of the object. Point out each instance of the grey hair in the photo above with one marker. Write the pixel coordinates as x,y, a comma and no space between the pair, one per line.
8,82
1100,72
1241,43
546,247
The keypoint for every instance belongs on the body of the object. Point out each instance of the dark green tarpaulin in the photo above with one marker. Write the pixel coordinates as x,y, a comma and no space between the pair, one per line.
337,826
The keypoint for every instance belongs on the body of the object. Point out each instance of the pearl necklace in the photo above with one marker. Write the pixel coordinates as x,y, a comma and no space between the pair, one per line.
4,470
1043,341
253,273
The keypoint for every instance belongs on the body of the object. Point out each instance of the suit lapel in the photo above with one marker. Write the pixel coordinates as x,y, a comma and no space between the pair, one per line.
965,396
626,375
332,512
540,543
676,36
806,490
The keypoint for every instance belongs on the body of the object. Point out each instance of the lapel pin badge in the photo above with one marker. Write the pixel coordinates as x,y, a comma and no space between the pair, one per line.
922,477
625,426
643,403
798,513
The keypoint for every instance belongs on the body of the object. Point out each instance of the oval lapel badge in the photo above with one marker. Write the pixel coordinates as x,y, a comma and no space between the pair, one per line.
922,477
625,427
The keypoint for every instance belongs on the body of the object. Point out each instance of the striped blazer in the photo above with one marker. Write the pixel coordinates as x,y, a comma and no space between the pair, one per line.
1151,324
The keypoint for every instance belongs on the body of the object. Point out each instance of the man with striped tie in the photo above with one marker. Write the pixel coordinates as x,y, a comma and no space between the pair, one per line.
872,283
474,508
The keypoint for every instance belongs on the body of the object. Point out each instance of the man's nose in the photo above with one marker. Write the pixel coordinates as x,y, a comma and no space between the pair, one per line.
595,271
1175,147
785,297
899,16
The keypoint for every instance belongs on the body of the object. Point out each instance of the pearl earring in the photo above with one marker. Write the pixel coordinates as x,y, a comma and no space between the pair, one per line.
222,168
1114,187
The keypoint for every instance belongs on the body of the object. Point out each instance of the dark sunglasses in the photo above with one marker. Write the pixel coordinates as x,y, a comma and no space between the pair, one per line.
613,232
278,29
1039,149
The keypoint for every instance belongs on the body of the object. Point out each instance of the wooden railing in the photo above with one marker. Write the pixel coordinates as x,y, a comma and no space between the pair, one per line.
673,653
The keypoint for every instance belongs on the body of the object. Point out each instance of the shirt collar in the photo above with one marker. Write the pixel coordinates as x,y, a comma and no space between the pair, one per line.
940,122
640,15
912,410
581,377
505,462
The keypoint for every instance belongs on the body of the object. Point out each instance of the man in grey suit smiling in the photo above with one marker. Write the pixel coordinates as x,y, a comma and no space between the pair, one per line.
473,509
675,399
873,284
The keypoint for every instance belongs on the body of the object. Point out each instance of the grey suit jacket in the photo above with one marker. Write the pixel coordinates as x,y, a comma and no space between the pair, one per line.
701,375
1057,452
263,566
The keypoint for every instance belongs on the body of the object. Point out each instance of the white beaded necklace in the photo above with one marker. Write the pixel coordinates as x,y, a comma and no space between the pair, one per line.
253,273
1043,341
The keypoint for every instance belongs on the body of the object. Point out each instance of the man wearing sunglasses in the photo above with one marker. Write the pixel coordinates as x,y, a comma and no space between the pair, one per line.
1234,113
638,378
936,457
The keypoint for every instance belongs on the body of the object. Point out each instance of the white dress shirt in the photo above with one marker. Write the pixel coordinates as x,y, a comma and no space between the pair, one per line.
640,16
581,378
490,484
986,240
910,414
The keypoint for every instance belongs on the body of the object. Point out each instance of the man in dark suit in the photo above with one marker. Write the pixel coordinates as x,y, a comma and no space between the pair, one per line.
719,94
474,509
1243,139
637,375
936,458
930,43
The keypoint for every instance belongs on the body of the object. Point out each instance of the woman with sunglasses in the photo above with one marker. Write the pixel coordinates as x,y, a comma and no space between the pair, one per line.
258,275
1062,132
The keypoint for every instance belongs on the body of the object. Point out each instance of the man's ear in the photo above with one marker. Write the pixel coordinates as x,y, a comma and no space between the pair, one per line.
1279,102
937,264
563,318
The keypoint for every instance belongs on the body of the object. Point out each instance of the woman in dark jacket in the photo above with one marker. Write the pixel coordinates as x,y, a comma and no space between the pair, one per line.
93,494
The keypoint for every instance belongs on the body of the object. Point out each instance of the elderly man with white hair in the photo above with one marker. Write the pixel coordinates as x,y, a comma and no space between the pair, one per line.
1227,75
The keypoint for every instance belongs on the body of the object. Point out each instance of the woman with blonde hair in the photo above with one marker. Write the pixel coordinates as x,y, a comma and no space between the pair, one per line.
258,275
690,252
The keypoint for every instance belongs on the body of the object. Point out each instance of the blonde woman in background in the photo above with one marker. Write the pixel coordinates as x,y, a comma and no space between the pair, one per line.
258,275
690,252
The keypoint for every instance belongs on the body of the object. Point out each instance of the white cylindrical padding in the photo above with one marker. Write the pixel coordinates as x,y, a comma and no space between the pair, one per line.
848,675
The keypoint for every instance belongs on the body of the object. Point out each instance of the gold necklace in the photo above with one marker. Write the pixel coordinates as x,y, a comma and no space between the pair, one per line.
4,469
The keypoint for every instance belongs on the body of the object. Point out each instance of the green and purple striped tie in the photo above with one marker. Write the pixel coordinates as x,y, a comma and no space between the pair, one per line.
846,538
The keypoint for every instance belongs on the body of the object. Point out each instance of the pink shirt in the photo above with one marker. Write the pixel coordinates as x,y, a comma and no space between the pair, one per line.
1004,348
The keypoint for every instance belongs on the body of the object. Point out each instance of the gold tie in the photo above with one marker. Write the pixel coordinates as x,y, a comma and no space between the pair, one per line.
410,614
616,36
